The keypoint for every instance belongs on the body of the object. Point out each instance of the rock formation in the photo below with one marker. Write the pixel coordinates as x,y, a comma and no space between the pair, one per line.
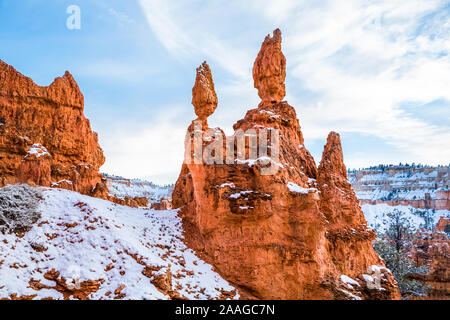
296,233
204,98
417,186
349,238
45,138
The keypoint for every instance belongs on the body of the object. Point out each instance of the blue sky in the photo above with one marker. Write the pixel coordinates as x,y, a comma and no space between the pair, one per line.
376,71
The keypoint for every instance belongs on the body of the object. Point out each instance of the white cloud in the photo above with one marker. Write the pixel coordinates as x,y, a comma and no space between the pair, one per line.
185,33
154,152
121,17
397,64
360,61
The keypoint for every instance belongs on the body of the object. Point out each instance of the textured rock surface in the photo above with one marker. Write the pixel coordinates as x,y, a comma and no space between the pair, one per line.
295,234
269,70
420,187
45,138
204,98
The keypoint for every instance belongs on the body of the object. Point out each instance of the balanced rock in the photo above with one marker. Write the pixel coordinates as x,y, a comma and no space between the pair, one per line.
204,98
269,70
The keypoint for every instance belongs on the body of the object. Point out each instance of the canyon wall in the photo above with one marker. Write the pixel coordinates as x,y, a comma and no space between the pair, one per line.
45,139
274,224
433,249
420,187
138,193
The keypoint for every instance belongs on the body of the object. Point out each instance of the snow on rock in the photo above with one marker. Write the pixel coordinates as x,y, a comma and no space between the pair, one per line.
350,295
38,150
239,194
84,247
297,189
349,281
263,160
377,218
229,185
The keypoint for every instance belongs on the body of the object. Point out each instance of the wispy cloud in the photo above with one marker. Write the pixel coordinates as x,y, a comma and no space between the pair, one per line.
352,64
186,30
122,18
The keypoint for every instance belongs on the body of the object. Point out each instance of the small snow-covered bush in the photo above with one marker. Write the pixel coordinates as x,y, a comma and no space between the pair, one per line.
19,207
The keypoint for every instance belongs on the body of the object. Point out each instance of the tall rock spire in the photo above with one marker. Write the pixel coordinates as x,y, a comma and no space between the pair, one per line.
269,71
204,98
332,157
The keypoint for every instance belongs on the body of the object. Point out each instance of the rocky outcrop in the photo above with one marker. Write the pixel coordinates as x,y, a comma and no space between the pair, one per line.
45,138
350,241
269,220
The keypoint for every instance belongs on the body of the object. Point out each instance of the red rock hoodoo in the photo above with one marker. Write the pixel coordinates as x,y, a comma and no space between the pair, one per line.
269,70
297,233
45,138
204,98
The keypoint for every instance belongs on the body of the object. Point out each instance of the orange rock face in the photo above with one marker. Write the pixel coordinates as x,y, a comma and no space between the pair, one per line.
45,138
204,98
269,70
292,232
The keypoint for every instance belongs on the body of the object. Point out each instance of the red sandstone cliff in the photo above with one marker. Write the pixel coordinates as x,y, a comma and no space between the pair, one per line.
45,138
297,233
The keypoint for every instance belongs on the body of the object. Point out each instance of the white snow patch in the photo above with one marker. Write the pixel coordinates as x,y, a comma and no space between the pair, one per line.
38,150
297,189
349,281
351,295
230,185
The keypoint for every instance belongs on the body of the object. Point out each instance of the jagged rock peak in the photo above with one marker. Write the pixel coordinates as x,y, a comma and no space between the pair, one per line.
45,138
269,71
332,157
204,98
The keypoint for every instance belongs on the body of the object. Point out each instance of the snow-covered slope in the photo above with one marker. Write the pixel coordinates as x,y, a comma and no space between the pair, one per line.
105,251
121,188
